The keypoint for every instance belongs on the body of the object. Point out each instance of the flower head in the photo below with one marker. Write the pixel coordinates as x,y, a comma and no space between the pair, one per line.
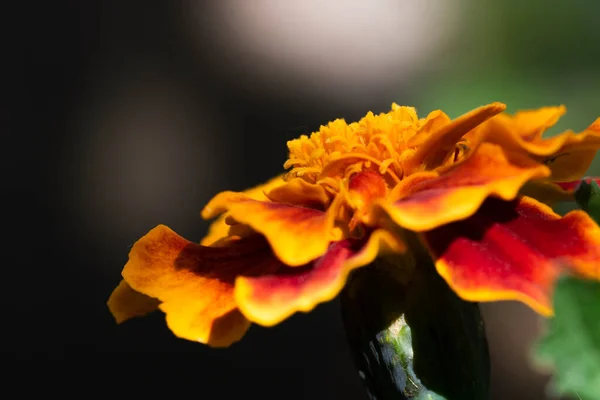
475,191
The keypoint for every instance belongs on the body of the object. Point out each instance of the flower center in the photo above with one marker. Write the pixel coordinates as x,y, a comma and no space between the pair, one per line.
362,162
378,143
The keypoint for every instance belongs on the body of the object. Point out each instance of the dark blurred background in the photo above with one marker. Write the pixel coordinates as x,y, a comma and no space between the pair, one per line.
127,114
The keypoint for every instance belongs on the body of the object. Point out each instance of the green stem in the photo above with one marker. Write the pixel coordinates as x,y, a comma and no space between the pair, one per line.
412,337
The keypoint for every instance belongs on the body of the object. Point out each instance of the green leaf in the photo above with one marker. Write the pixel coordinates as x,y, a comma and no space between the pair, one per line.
572,344
588,198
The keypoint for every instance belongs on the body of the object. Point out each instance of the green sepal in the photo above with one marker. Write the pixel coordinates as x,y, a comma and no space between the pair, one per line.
587,196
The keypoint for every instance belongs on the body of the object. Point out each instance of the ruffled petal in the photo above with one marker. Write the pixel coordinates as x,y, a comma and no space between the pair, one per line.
219,229
125,303
296,234
194,283
532,124
432,147
434,121
572,162
300,193
515,251
267,300
364,188
568,155
430,199
529,124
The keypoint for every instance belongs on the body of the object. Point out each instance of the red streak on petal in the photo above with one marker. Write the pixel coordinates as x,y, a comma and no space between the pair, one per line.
194,283
289,281
513,250
296,234
271,298
365,187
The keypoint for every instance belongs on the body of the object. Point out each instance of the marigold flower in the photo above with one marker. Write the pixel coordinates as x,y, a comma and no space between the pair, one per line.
476,192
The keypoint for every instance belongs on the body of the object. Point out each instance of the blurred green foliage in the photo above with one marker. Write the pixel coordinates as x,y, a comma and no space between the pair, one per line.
527,54
572,344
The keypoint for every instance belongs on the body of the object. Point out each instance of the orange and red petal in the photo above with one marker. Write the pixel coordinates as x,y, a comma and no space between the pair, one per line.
296,234
571,163
364,189
125,303
194,283
300,193
515,251
427,200
529,125
568,155
433,146
269,299
219,229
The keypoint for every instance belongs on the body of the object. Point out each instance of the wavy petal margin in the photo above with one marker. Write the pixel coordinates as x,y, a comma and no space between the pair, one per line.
297,234
269,299
431,199
432,147
300,193
194,283
219,229
528,124
515,251
364,188
125,303
568,154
